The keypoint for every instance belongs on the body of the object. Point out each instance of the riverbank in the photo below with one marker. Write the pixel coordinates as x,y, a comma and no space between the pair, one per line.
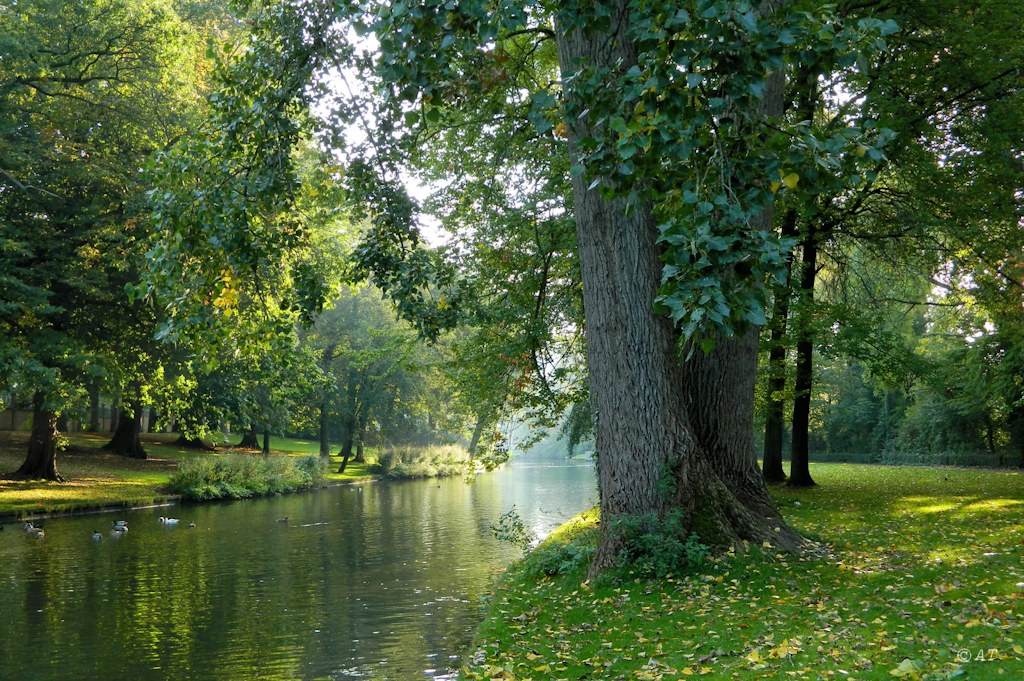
925,582
97,480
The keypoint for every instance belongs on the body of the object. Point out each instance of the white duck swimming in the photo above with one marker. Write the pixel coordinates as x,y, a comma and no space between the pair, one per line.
169,521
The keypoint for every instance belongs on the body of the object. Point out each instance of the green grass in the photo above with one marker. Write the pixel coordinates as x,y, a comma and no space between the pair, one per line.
923,575
96,478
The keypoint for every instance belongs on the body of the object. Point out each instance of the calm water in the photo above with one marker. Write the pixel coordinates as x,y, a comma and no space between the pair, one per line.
383,583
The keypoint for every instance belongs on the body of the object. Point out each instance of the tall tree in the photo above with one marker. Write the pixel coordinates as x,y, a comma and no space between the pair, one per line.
88,90
676,161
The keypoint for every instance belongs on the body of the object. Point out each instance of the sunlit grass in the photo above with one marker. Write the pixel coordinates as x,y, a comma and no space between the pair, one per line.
921,583
96,478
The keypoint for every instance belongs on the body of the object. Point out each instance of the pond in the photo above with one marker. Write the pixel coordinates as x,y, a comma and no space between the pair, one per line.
383,581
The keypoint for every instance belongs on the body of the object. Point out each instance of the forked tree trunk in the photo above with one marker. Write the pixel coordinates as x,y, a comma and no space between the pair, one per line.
125,440
41,459
651,463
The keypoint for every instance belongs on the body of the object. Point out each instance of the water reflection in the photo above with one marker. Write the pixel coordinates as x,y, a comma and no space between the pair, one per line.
378,582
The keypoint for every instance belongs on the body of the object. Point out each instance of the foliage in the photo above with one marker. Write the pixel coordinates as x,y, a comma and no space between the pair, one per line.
511,528
241,476
658,547
923,568
232,262
554,559
88,90
421,462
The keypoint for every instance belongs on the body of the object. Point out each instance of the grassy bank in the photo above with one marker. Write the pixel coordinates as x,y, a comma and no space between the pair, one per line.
925,582
96,478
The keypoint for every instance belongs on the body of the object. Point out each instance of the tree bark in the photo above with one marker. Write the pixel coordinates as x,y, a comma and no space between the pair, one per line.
41,459
266,442
799,467
249,438
651,463
125,440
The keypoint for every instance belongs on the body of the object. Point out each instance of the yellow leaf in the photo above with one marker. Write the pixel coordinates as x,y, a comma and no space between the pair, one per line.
1018,650
754,656
775,186
791,180
906,668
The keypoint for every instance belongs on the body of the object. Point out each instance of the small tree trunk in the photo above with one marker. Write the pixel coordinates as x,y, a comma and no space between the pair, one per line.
774,425
266,442
360,433
41,459
94,409
344,460
125,440
249,439
478,432
799,468
325,439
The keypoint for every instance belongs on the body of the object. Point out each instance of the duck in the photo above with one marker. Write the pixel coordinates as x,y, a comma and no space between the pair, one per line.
37,532
30,528
168,521
97,536
120,529
283,520
191,524
120,523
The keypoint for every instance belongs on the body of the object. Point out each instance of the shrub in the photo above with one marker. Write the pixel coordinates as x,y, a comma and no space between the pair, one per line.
657,548
555,559
421,462
240,476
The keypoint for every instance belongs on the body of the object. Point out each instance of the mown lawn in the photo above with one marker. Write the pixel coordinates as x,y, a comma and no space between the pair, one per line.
96,478
925,581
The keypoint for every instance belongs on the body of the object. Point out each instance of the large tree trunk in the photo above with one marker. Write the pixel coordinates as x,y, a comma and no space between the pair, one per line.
719,390
651,463
125,440
249,439
799,468
41,459
266,441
